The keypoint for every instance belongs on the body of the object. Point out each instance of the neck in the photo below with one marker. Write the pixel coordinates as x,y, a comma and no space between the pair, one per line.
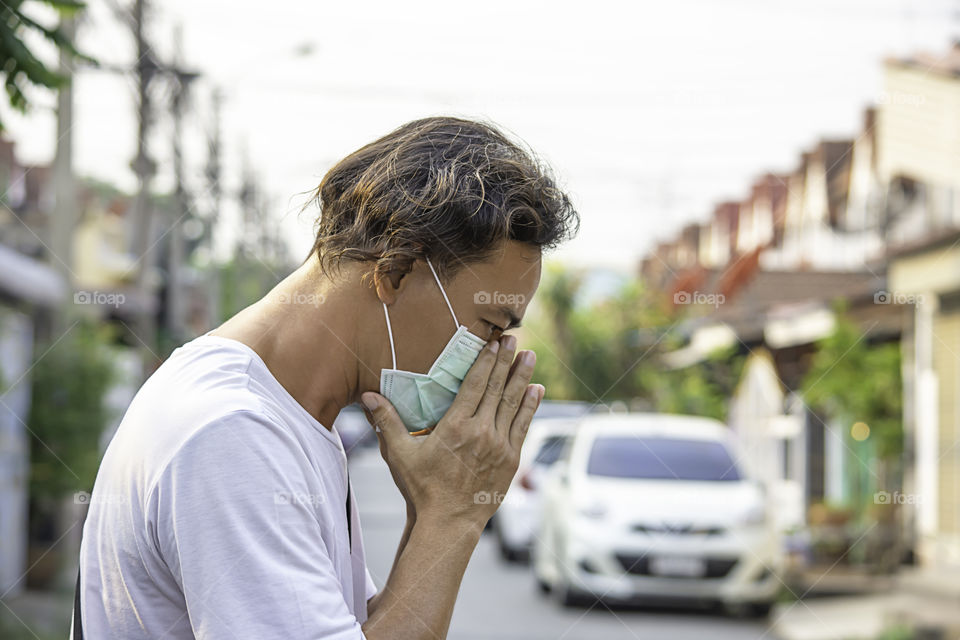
306,330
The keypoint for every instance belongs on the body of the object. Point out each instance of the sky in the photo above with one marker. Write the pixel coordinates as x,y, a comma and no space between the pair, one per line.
648,112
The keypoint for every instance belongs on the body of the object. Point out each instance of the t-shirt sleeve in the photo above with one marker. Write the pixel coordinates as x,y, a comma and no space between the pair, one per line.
250,561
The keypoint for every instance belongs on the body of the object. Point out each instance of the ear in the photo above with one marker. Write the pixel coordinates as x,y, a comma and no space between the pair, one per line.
389,284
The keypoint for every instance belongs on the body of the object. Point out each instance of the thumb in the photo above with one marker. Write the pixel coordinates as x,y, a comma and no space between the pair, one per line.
383,416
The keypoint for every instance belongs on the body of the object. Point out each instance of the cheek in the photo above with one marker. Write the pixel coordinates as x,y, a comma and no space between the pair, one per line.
420,341
481,328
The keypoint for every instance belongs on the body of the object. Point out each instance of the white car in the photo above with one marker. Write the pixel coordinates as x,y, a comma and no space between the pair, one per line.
653,507
518,517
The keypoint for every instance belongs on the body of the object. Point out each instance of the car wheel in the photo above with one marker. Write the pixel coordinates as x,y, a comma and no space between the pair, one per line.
507,553
542,586
748,609
513,556
569,596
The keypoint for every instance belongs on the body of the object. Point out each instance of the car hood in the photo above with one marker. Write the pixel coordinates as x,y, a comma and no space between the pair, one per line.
669,502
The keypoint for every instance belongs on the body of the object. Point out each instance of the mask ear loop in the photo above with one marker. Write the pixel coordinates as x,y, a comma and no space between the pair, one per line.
393,353
456,322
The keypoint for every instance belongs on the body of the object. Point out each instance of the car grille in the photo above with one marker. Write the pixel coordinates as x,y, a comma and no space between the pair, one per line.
639,565
678,530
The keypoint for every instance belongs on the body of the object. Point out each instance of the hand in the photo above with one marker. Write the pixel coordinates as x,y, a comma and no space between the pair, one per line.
462,469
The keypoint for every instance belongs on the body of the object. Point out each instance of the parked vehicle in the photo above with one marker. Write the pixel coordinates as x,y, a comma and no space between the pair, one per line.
548,409
518,517
651,506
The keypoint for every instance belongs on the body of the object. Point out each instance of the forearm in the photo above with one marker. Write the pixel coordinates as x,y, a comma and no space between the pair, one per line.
374,602
418,599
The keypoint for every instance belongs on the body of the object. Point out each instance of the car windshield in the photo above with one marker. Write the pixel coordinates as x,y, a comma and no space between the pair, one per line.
550,450
661,459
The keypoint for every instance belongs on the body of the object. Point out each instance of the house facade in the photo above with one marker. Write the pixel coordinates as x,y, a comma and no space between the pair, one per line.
919,154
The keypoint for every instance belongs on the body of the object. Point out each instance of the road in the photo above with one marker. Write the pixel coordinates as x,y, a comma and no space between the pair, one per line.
500,601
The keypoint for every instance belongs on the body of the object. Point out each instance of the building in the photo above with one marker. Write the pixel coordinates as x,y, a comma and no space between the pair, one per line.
919,155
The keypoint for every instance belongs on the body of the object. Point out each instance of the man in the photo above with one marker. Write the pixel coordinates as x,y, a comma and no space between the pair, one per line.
222,506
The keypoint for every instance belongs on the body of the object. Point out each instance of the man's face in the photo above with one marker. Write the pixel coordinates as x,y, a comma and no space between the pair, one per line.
488,297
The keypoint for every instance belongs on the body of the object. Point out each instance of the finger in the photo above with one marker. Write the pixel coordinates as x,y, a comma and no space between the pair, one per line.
384,417
498,377
513,394
521,422
475,382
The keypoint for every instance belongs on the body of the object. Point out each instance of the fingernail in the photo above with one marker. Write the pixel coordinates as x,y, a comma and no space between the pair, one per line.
509,342
370,401
529,357
543,391
494,346
533,391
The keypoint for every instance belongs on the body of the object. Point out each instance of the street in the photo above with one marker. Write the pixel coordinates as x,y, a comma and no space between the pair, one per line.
501,601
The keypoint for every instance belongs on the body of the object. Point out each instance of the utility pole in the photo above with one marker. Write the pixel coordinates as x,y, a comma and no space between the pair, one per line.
65,210
214,165
175,303
213,173
144,167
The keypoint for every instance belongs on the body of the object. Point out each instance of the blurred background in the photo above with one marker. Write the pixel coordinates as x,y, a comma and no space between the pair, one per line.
765,291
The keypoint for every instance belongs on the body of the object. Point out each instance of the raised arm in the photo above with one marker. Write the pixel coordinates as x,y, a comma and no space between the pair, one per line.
452,480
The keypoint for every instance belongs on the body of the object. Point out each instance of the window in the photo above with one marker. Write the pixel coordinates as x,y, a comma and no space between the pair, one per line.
550,450
661,459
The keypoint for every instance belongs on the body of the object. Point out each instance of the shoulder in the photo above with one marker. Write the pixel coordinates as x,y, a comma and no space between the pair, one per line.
232,473
237,444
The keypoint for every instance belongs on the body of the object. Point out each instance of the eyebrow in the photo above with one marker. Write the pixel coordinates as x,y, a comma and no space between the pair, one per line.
514,318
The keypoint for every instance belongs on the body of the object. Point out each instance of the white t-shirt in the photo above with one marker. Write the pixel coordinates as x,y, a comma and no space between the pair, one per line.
219,511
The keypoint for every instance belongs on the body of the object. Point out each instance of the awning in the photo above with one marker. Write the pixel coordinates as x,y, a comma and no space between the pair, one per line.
703,343
27,279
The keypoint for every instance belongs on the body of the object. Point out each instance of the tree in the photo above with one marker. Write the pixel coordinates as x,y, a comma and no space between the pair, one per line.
612,350
587,352
859,382
68,413
19,66
701,389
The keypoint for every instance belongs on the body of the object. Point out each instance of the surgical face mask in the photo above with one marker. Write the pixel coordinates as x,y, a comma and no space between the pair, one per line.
421,399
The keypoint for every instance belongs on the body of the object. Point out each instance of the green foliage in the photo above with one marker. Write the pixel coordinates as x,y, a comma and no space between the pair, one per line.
857,381
899,632
243,281
702,389
68,414
13,629
588,352
21,68
612,350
